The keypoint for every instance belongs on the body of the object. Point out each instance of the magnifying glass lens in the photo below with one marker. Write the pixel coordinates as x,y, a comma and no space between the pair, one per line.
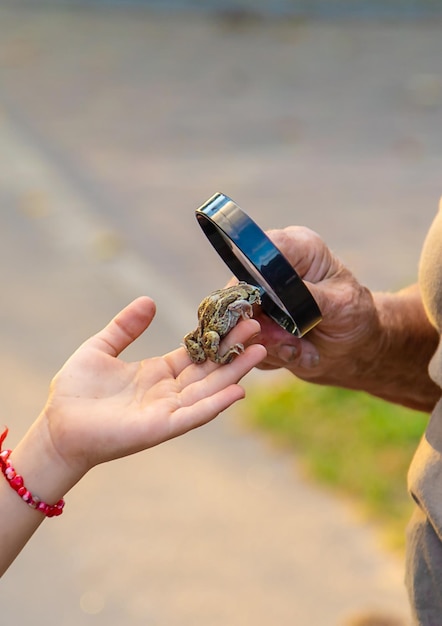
253,258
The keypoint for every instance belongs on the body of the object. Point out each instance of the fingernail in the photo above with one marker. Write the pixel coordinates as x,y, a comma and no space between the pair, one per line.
287,353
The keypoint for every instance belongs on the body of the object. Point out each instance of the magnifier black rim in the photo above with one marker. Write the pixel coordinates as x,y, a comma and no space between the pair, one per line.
225,224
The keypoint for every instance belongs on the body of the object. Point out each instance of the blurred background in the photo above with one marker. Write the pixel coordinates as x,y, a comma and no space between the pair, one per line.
117,120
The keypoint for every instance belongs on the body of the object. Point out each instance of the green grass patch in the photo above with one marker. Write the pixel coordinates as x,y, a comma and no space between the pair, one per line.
352,442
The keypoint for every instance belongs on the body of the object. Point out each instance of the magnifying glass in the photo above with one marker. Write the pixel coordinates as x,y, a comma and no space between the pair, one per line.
253,258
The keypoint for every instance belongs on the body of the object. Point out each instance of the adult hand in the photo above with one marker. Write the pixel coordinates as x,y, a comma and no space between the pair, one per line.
349,330
376,342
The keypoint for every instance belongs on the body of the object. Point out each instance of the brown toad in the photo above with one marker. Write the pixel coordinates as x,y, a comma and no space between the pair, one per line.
218,313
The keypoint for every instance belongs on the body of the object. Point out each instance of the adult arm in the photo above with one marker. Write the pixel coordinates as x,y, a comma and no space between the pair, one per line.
380,343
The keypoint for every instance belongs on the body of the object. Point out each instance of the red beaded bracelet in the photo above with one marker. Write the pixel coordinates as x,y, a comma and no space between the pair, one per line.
16,482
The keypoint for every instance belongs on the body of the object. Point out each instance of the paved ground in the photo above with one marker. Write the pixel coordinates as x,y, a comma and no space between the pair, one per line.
113,128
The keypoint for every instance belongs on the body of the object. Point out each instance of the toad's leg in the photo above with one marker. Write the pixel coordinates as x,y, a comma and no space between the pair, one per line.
241,308
194,349
211,343
231,353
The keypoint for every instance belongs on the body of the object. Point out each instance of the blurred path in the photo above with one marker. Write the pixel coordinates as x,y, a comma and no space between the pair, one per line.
114,127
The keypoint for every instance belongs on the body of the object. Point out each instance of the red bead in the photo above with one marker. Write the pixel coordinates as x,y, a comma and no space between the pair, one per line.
10,472
17,482
27,496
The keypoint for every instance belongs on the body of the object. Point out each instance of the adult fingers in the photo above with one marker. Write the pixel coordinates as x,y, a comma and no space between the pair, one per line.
306,252
301,358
